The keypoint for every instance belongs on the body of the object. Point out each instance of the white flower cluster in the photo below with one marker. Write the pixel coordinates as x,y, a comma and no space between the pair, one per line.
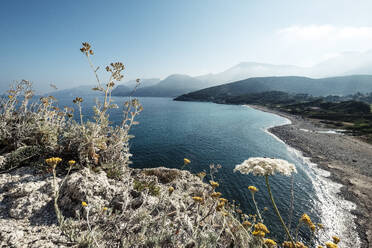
265,167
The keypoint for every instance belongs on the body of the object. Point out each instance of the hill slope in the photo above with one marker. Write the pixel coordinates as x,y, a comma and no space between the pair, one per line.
316,87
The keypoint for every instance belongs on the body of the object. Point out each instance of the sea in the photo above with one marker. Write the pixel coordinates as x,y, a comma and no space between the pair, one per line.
208,133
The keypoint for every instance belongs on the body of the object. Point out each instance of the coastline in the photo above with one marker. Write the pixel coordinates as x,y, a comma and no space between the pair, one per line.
346,158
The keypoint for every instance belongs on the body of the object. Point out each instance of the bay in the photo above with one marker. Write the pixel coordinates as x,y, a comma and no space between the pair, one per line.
208,133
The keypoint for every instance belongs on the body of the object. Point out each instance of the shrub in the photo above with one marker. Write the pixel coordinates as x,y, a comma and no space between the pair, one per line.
31,132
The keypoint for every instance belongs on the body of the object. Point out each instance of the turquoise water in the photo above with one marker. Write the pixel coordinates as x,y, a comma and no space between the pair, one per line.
209,133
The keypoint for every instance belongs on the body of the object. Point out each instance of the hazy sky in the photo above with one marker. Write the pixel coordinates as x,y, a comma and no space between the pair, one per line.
40,40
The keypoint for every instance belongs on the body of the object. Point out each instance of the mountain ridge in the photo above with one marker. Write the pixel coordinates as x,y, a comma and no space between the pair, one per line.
342,85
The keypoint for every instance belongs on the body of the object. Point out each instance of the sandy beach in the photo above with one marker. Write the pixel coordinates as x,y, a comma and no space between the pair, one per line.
348,159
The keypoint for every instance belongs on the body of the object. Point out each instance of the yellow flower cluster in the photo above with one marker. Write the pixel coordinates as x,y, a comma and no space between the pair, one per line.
201,175
216,194
246,223
336,239
170,190
288,244
270,242
71,162
84,204
253,189
331,245
261,227
10,96
260,230
214,184
221,204
186,161
53,161
258,233
197,199
306,219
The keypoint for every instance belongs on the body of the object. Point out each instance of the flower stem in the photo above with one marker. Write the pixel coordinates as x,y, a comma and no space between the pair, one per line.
277,211
56,195
258,211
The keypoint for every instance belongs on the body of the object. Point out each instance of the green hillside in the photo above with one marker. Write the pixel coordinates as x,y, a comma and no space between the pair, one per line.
316,87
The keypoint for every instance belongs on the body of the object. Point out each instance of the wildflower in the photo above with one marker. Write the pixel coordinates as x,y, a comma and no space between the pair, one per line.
270,242
197,199
305,218
220,206
223,200
320,246
10,96
261,227
214,184
246,223
170,190
201,175
300,245
54,161
336,239
320,226
312,227
216,194
258,233
288,244
331,245
265,167
105,209
77,100
253,189
71,162
185,162
84,204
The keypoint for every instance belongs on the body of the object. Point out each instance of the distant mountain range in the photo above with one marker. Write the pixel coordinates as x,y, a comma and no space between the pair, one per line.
83,90
172,86
292,84
348,63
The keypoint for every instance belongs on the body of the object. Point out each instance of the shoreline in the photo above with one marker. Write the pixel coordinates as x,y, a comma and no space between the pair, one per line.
347,158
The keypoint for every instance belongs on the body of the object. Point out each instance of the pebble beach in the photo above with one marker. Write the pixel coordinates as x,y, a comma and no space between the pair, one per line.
348,159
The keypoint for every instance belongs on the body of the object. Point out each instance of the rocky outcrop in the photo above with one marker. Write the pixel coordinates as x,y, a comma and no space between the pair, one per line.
147,208
27,217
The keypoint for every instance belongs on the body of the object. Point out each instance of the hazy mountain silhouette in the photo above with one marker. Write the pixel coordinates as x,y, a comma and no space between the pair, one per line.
171,86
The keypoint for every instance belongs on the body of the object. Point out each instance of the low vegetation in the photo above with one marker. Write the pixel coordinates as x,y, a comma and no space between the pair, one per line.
100,202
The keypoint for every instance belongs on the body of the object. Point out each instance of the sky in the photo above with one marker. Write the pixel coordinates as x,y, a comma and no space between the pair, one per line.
40,40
